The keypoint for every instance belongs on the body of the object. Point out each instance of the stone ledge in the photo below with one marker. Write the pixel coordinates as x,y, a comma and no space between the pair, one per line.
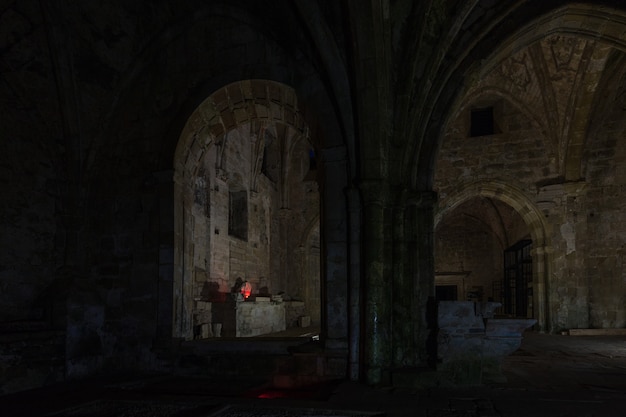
596,332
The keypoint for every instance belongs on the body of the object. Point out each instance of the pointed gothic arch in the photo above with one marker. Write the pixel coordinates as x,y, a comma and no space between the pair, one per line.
534,219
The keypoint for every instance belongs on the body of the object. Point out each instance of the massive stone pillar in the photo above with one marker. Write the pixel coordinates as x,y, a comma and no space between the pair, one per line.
541,256
422,256
377,270
334,236
413,279
165,232
354,280
404,280
398,285
562,288
398,280
183,261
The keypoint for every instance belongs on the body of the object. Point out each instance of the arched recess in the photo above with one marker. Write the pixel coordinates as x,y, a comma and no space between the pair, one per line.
263,112
533,218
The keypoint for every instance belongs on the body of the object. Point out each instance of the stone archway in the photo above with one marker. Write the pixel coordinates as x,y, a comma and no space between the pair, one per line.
223,177
534,220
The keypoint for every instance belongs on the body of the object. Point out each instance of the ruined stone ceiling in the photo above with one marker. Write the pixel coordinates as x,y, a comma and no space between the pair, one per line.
555,82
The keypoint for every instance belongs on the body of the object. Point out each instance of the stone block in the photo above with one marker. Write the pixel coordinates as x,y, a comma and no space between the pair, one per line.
487,310
205,330
466,339
508,327
453,347
304,321
459,317
253,319
202,305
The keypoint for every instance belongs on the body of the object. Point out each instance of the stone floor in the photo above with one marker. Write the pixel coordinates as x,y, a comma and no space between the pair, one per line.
295,332
549,375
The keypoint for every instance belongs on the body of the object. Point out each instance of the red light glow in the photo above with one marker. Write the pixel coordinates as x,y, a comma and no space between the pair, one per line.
272,394
246,289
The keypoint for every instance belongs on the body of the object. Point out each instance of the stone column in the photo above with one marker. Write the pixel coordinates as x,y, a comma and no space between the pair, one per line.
422,256
165,232
560,255
334,246
354,282
283,248
578,260
298,264
403,282
413,280
183,261
541,266
377,270
408,309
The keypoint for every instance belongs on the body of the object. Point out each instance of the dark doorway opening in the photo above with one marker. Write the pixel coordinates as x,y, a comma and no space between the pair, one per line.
446,293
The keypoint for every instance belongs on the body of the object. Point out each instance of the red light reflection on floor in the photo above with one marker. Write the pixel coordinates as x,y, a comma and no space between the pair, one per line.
273,394
288,393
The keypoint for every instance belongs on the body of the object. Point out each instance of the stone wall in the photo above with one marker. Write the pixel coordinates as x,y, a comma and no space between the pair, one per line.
122,306
466,248
38,197
31,356
518,153
603,212
254,218
578,247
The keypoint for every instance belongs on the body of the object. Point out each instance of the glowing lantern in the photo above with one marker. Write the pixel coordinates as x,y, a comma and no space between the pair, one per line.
246,289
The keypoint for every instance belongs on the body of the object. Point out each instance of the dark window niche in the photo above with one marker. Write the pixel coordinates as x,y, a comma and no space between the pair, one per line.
482,123
238,215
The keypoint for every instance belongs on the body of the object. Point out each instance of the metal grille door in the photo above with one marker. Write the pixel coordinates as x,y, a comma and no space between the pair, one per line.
517,283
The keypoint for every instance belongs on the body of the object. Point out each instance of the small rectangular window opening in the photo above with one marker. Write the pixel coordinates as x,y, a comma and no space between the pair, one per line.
238,215
482,122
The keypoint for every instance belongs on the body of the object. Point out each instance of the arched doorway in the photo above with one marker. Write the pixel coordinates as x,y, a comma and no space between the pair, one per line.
246,195
470,244
474,227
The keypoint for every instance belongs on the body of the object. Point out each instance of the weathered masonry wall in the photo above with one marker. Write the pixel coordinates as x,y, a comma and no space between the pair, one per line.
468,256
604,211
255,219
583,225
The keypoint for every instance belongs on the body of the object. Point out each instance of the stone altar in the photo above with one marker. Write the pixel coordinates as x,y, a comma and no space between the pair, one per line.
249,318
